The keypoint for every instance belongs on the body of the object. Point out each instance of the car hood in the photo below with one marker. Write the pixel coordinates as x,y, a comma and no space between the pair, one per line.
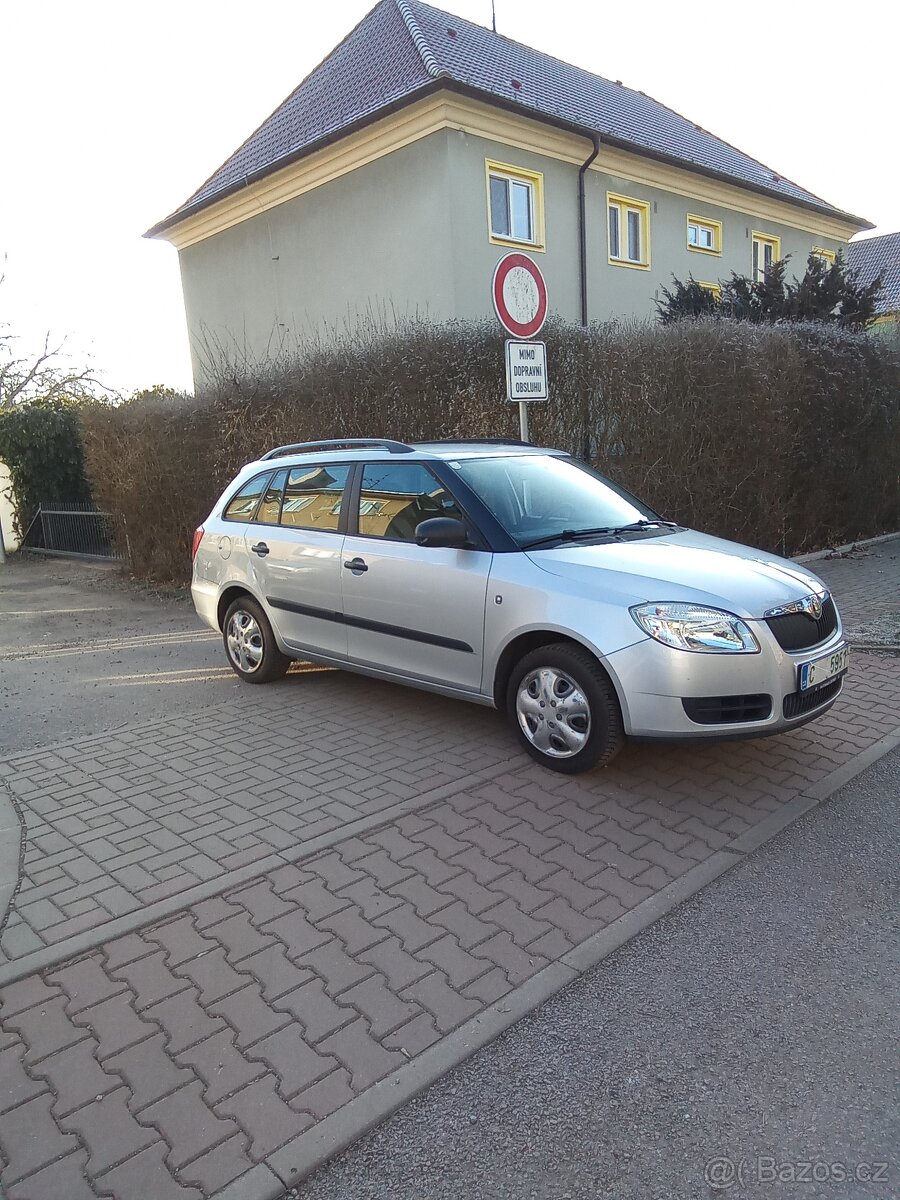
687,566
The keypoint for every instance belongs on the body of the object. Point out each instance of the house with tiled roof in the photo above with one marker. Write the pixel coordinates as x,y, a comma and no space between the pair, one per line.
879,256
424,147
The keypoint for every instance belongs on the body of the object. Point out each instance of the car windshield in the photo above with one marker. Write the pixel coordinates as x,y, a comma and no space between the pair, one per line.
539,498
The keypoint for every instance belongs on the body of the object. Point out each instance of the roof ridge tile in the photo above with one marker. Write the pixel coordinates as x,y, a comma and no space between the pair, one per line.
428,59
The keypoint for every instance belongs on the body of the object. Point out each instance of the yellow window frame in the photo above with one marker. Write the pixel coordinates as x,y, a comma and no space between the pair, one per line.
828,255
715,288
535,180
709,223
623,203
762,240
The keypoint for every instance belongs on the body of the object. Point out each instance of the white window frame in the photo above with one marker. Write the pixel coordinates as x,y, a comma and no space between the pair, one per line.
517,177
704,225
760,243
621,214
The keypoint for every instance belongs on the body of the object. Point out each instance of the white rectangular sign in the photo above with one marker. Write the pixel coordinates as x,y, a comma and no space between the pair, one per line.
526,370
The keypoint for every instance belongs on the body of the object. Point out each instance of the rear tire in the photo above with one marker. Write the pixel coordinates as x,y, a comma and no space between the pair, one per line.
564,709
250,645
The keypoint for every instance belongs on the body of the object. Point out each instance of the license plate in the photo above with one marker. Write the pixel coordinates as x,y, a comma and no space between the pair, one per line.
820,670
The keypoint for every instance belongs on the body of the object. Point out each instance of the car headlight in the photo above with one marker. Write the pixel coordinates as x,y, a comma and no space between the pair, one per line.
693,627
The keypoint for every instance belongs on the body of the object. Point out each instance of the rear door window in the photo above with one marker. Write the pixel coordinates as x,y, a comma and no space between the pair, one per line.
242,505
396,497
313,497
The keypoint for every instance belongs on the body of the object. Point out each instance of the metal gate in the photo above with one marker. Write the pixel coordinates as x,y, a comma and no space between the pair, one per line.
76,530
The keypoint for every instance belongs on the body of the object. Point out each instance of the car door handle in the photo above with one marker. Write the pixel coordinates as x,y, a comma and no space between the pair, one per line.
261,549
356,564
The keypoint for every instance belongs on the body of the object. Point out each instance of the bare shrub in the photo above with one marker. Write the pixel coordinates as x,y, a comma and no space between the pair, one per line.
783,436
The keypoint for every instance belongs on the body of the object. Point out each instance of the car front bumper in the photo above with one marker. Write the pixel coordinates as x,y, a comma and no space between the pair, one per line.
654,680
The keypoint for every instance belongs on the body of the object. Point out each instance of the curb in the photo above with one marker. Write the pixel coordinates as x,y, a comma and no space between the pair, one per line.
297,1159
831,551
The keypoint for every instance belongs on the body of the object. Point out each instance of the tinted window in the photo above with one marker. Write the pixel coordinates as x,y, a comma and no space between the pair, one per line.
396,497
270,509
537,496
312,498
241,505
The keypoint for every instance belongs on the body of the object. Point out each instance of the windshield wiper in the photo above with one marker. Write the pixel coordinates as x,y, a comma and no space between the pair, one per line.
608,530
643,525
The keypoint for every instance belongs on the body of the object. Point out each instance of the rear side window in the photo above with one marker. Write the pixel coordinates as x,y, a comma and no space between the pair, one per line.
313,497
396,497
270,508
242,506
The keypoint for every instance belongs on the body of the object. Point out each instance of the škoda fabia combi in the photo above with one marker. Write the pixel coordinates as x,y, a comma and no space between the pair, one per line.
515,577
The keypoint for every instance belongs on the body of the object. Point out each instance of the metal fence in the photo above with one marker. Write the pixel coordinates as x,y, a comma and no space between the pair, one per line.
75,529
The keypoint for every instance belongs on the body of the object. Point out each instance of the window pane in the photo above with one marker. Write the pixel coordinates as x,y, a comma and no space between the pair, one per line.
614,231
241,507
499,207
536,496
767,253
312,498
270,509
693,235
396,497
756,271
521,211
634,235
706,237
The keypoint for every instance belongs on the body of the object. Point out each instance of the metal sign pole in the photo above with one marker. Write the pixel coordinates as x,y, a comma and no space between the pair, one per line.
523,420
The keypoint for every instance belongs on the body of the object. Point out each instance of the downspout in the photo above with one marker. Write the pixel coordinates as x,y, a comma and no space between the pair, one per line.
582,227
582,255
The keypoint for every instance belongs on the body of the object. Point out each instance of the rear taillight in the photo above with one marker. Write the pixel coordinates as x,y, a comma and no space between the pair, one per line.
195,545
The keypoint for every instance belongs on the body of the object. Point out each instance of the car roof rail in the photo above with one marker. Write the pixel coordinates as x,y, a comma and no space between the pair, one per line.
338,444
475,442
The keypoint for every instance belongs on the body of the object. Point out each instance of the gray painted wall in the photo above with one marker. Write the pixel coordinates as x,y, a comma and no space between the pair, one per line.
408,234
372,240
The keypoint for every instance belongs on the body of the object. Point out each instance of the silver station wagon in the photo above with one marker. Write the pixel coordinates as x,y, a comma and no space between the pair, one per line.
514,577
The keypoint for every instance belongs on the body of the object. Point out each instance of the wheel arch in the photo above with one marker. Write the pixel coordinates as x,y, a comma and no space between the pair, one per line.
227,597
533,639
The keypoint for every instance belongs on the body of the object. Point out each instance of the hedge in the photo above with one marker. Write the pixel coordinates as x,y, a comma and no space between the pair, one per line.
786,437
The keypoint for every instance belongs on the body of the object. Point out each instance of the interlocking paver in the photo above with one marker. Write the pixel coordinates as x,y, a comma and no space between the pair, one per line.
76,1077
362,1054
220,1065
317,1013
181,1019
143,1176
45,1029
249,1015
293,1060
149,1071
188,1124
16,1085
446,1005
61,1180
327,1095
30,1138
267,1119
219,1166
109,1131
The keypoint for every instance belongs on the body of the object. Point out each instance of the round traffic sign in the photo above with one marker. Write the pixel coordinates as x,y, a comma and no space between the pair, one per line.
520,295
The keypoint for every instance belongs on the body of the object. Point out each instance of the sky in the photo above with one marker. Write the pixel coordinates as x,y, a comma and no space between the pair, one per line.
113,113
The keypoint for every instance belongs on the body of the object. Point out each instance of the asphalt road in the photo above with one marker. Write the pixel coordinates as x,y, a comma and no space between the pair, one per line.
82,652
751,1030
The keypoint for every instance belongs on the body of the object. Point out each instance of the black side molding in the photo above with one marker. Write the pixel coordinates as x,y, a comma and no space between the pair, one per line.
400,631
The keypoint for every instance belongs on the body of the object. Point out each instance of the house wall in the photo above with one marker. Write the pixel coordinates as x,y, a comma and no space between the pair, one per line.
371,241
613,291
394,220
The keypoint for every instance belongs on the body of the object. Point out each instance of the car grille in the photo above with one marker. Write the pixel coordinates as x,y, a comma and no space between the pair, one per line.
799,631
727,710
798,703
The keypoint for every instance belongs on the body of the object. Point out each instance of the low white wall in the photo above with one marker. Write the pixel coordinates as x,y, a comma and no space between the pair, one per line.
10,541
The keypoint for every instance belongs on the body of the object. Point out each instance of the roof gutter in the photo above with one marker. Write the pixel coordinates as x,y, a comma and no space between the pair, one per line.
582,227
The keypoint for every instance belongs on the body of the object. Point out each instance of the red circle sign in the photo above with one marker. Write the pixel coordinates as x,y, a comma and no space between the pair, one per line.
520,295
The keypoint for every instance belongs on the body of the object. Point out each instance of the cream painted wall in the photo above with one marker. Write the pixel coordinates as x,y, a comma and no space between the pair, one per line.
10,541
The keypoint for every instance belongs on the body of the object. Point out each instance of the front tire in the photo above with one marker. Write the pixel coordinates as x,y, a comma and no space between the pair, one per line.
564,709
250,645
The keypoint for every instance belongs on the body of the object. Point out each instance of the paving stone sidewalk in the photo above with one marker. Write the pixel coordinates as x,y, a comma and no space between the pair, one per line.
216,1051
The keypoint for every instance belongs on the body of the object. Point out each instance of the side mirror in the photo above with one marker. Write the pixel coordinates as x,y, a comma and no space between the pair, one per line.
442,531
